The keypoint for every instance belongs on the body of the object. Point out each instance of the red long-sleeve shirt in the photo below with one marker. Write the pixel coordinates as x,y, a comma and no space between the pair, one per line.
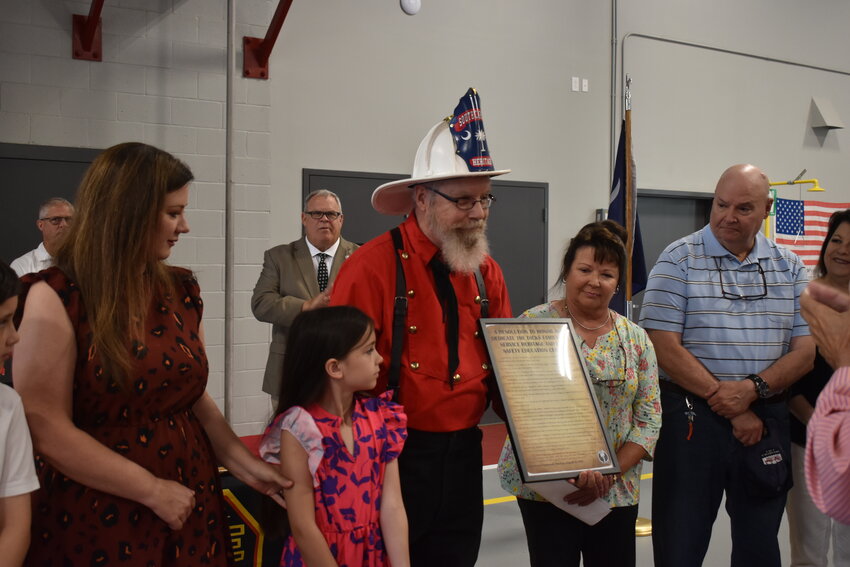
367,281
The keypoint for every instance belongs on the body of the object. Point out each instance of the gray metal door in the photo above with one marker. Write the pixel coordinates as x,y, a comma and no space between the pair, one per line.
664,218
517,226
30,175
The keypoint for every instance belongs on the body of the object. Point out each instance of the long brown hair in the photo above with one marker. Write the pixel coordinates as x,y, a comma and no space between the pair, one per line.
109,251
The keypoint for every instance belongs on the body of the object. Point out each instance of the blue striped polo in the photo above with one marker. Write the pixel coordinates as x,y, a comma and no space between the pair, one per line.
736,317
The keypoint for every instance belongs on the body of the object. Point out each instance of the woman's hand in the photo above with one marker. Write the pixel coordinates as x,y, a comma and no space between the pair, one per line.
171,501
234,455
591,485
265,478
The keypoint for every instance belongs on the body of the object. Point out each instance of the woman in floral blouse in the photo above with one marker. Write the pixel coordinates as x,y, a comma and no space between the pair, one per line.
621,363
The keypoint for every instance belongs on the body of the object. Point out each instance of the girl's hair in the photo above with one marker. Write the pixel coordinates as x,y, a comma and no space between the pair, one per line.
315,337
607,238
837,218
10,286
109,249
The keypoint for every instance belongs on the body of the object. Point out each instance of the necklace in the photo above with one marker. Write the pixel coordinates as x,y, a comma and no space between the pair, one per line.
573,317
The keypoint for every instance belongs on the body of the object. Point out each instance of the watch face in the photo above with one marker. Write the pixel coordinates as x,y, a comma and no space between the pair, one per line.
762,386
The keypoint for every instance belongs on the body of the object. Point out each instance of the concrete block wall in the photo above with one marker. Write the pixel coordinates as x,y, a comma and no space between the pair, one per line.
162,81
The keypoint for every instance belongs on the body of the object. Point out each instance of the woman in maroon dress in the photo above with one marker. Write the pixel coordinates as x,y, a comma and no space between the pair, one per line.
112,371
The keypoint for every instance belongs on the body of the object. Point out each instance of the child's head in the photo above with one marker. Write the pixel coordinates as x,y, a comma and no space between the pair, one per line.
317,337
10,287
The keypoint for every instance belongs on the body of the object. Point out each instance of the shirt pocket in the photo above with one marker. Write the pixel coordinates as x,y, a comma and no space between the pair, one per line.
780,311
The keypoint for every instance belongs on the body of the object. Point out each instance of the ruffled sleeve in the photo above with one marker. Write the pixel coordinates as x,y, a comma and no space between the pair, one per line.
189,289
64,287
297,421
393,428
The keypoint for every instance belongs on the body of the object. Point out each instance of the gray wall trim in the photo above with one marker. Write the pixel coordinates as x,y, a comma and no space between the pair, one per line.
674,194
51,153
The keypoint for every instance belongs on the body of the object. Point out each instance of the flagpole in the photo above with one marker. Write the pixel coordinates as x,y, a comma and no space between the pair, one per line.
643,526
630,214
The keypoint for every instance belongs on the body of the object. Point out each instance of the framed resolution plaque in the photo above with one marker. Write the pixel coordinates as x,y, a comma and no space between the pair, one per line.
554,420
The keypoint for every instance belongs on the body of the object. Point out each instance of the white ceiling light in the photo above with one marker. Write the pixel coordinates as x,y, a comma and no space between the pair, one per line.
411,7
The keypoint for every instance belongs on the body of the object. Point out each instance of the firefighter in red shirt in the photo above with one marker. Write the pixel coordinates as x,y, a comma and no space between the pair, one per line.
435,270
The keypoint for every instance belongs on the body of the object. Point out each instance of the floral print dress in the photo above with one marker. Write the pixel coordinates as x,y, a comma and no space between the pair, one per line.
625,380
347,485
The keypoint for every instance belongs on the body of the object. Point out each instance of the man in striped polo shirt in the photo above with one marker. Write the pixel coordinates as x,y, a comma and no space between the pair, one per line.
722,310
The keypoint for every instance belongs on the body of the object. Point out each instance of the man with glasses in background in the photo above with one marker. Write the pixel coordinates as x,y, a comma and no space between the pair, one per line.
298,276
426,284
722,309
54,218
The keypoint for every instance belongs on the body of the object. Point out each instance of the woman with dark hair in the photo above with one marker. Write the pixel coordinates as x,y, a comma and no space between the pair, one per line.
621,362
112,371
17,473
810,530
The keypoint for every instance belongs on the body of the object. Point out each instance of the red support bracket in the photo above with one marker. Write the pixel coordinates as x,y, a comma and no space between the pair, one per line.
86,39
256,51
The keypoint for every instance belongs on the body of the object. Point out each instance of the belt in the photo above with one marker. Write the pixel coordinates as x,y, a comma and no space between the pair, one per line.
449,435
673,388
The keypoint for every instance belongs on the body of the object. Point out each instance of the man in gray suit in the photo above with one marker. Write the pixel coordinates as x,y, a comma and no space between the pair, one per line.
298,276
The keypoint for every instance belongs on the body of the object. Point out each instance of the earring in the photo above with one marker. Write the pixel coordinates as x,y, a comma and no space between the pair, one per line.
617,290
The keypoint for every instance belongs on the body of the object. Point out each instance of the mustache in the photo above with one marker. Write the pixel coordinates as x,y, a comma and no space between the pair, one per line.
470,226
469,236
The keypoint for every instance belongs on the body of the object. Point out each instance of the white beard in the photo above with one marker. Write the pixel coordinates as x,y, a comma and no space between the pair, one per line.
463,248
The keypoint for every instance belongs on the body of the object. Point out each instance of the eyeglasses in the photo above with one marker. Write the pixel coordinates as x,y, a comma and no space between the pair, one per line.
317,215
465,203
736,296
56,221
618,363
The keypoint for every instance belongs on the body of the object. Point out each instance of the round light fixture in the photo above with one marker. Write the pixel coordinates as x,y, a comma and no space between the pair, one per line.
411,7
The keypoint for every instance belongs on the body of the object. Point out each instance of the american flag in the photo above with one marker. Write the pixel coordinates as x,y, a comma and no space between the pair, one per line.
801,226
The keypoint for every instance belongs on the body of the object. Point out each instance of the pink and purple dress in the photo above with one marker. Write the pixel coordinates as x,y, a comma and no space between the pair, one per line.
347,485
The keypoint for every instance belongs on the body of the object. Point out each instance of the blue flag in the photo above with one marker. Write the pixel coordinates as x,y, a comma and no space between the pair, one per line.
617,212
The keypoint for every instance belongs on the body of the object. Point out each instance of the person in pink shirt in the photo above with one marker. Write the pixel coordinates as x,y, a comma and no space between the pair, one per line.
827,311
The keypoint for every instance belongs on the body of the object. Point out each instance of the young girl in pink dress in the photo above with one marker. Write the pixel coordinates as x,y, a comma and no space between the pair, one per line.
339,447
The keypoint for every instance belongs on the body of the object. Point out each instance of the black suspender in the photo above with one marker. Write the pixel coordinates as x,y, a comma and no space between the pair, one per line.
482,294
399,314
400,310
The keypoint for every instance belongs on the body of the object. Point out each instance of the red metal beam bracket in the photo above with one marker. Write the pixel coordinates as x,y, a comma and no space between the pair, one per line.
256,51
86,39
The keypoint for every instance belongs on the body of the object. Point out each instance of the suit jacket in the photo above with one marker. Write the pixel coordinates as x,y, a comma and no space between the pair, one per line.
287,280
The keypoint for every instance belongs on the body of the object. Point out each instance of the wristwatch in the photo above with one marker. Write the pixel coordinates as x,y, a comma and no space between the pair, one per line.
762,387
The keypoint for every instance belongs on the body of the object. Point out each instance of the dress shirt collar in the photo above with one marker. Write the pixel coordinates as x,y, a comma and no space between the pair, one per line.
331,251
419,243
41,254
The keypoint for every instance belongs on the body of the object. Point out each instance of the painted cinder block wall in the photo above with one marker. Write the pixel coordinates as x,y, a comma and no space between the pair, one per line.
355,84
162,81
